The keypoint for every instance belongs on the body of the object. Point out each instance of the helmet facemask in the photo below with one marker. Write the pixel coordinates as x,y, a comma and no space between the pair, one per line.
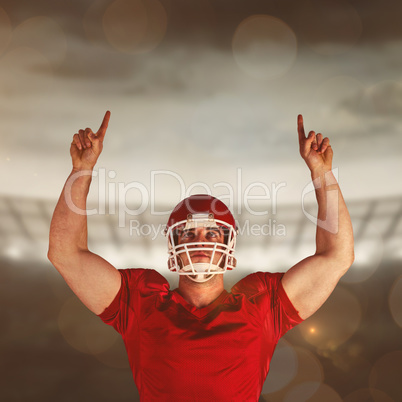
216,256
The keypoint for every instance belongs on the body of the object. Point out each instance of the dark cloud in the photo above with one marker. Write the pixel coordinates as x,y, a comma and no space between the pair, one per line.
329,27
213,22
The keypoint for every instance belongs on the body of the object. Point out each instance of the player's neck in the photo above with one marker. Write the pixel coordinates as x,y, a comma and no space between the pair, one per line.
201,294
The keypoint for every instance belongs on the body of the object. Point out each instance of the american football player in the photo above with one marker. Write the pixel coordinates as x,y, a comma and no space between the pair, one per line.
200,342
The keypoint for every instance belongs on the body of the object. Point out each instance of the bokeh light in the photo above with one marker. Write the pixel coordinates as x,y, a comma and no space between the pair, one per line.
115,356
83,330
92,22
395,300
45,36
309,369
331,27
135,26
313,392
156,29
283,367
368,394
386,374
125,24
264,47
335,322
5,30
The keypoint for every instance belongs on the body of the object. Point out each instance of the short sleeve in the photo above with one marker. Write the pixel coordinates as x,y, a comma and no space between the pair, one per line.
289,316
265,290
114,314
135,284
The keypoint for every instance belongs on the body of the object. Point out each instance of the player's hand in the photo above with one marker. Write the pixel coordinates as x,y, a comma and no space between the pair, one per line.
87,146
314,149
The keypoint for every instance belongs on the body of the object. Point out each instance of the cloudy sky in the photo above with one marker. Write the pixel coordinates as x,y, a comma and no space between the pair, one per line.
201,89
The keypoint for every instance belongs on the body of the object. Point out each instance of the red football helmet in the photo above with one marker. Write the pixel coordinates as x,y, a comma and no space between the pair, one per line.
201,235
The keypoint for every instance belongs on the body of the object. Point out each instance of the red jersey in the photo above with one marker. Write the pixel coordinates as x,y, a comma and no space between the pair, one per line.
220,352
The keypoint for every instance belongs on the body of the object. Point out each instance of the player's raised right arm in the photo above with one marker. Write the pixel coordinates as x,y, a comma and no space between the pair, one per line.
92,279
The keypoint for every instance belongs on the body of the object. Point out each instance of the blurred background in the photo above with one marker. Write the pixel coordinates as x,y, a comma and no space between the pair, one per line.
204,97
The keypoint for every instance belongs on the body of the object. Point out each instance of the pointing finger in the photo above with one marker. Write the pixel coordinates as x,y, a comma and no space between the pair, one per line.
300,129
102,129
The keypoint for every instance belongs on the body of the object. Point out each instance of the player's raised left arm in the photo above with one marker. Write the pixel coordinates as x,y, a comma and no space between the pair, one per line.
310,282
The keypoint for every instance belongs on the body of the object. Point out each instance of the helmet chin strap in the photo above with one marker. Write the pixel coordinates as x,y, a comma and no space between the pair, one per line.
201,269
